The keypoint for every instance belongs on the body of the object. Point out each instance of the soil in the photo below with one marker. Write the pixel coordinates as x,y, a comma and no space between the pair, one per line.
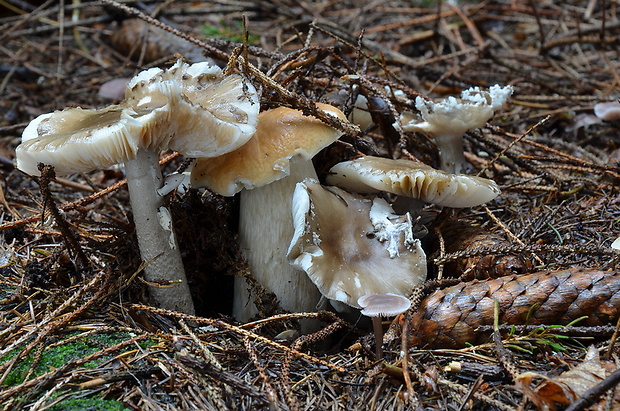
76,326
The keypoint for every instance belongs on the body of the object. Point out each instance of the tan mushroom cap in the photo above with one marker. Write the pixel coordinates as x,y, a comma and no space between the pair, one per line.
383,305
412,179
78,140
281,134
351,246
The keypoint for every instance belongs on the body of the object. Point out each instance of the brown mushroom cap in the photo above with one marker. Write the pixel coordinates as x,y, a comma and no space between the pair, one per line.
351,246
408,178
383,305
281,134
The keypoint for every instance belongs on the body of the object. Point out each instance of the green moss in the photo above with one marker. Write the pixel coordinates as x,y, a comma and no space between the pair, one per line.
58,356
88,404
230,33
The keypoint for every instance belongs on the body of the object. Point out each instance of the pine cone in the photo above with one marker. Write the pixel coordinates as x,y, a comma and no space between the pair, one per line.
449,318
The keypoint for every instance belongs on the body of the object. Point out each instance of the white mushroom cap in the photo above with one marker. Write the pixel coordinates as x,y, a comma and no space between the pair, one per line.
383,305
195,110
282,134
454,117
344,253
213,113
607,111
77,140
408,178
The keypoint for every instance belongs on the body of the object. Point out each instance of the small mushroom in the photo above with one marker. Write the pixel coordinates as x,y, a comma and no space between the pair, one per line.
448,120
351,246
412,179
377,306
607,111
265,170
196,110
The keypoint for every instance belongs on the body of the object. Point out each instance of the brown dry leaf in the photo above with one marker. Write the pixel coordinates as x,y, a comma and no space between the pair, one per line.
566,387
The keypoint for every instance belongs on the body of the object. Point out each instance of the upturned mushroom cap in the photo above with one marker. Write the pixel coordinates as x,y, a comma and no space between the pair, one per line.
453,116
78,140
352,246
408,178
383,305
195,110
213,113
281,135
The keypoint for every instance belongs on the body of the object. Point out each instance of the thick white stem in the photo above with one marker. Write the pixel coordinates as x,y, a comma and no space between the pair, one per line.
155,235
265,232
451,153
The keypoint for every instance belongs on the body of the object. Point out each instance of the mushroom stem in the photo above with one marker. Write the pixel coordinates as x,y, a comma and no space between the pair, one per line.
156,239
265,232
451,154
378,329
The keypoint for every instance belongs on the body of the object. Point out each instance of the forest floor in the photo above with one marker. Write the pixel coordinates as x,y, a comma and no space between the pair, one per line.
83,336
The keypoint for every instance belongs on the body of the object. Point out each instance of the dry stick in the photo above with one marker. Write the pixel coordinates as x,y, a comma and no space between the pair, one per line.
442,252
507,231
589,397
240,331
207,354
307,106
477,395
502,354
78,203
471,391
214,393
413,22
473,30
411,396
606,169
315,337
270,392
612,341
588,332
512,143
541,31
513,249
47,174
60,384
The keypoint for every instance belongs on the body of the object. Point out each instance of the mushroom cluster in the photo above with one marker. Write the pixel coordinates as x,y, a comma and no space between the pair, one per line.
193,109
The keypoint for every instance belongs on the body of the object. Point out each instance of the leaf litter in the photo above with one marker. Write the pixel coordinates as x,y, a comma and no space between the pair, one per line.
558,210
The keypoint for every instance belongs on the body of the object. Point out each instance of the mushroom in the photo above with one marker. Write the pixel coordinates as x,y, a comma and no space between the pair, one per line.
376,306
448,120
607,111
412,179
351,246
265,170
194,109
